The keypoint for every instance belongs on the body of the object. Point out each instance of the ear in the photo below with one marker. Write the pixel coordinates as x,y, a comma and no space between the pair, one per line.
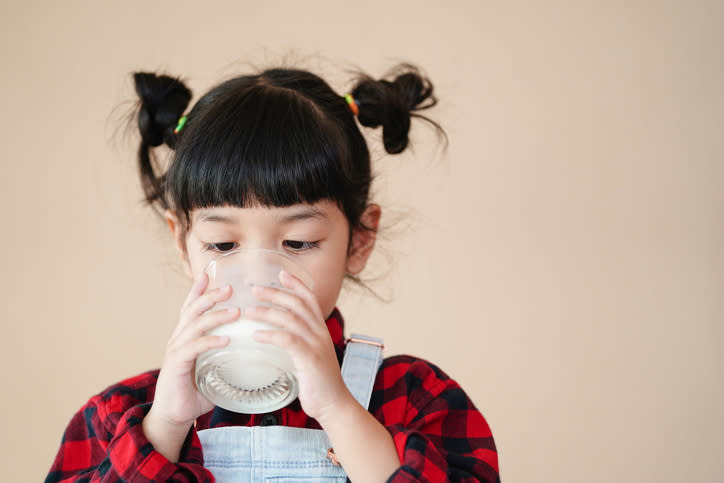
179,236
363,239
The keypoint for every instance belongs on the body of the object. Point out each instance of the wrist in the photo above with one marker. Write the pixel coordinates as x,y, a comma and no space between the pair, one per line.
368,453
165,436
341,410
168,426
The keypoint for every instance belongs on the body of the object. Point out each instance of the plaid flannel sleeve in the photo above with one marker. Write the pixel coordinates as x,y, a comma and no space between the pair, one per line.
438,432
104,442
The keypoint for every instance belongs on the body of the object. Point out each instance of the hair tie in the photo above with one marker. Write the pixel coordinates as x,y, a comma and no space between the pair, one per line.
353,103
180,125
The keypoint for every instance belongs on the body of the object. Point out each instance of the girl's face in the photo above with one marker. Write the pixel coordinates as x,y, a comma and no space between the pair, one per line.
315,235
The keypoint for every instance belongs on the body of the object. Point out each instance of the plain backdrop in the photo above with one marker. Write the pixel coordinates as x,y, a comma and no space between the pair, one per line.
562,259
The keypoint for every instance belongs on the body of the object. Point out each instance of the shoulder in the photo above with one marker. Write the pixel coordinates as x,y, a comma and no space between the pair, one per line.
413,368
117,398
417,379
411,392
99,416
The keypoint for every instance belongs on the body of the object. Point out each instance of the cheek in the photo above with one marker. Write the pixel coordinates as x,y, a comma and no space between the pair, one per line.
196,260
327,294
328,278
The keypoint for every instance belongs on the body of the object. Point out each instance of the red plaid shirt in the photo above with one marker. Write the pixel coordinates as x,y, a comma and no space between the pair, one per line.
438,432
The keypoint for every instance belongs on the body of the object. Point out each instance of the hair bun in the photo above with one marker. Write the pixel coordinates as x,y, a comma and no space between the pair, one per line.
391,104
163,100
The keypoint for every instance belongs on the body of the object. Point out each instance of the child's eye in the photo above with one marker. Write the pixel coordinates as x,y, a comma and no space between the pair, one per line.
221,247
299,246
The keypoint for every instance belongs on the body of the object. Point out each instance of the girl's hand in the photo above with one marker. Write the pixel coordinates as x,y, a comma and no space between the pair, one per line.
303,333
177,402
322,392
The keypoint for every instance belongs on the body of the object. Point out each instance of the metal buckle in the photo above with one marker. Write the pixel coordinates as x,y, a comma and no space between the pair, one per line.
333,457
368,342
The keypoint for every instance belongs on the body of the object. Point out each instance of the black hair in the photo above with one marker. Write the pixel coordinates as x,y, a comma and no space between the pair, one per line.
277,138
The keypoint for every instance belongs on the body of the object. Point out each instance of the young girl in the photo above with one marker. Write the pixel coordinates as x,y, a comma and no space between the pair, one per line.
277,161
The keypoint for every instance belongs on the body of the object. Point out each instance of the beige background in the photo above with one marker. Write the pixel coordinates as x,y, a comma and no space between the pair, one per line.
563,260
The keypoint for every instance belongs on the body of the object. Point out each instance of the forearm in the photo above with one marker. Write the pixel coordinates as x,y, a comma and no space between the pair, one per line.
362,444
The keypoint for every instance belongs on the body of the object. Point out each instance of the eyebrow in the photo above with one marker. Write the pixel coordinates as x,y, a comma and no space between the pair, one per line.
303,214
229,220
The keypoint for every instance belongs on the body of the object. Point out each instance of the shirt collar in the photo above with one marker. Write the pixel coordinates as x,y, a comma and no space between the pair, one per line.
335,326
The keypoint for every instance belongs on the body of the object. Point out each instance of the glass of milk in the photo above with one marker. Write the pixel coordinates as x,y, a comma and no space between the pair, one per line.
248,376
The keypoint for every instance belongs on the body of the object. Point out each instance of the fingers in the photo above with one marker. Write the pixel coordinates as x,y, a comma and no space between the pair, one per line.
283,319
280,338
295,310
180,358
214,319
207,342
198,327
297,298
199,304
295,285
280,298
287,312
197,289
193,332
208,300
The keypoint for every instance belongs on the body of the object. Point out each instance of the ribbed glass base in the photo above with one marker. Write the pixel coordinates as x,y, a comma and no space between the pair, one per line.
247,381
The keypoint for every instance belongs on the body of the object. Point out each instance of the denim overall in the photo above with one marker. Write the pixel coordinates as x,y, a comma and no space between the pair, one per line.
280,454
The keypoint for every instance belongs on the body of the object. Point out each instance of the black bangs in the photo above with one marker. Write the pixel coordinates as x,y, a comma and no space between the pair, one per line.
260,145
275,138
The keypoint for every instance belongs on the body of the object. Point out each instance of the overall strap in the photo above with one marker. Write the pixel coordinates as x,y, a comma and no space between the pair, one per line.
362,360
